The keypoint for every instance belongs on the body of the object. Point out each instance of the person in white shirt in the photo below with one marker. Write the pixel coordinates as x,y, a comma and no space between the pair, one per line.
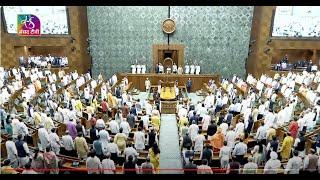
133,69
104,138
130,151
197,69
273,165
143,68
139,140
100,124
43,137
174,68
294,164
87,94
301,122
126,127
193,130
225,155
147,84
113,149
224,127
161,69
23,129
269,119
230,137
204,168
68,144
182,112
12,153
202,111
138,69
199,141
187,69
250,167
54,141
93,163
108,166
145,120
206,121
239,128
114,126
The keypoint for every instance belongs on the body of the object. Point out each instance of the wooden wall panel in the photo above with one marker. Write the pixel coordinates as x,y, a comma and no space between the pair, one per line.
258,61
197,80
78,25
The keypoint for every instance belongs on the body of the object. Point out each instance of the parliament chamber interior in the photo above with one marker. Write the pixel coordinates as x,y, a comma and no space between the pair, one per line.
160,90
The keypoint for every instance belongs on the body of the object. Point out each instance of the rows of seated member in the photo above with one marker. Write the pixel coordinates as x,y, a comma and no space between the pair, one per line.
244,128
101,123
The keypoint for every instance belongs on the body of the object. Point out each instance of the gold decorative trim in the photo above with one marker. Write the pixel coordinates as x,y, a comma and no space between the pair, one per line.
168,26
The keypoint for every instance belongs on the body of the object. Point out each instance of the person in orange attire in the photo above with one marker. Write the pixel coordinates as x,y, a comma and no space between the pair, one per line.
37,85
217,139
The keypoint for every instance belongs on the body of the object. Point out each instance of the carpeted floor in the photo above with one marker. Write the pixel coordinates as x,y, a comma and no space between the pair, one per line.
170,158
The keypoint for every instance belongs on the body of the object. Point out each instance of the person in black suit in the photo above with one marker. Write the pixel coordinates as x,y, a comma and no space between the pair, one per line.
212,128
157,68
189,85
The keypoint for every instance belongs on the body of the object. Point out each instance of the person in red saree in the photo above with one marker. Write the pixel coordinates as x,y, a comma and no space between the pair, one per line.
294,128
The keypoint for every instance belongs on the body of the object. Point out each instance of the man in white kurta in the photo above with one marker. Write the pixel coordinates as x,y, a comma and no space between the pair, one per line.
269,119
114,126
193,130
147,83
139,140
187,69
192,69
198,142
43,137
133,69
138,69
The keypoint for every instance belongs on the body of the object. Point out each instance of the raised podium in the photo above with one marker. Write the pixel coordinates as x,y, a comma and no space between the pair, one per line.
168,98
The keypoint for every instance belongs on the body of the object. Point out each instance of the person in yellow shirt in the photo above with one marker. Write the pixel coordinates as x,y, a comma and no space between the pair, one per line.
182,120
78,105
48,124
155,121
286,147
37,119
270,133
110,99
94,103
81,146
154,154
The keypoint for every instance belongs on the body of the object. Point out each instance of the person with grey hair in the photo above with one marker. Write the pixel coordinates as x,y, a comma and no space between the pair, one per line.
108,166
147,167
250,167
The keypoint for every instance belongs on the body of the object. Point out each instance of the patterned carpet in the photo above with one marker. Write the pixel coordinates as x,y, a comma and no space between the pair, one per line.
170,159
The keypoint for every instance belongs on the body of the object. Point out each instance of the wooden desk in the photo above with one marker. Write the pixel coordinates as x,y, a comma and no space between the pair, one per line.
168,107
138,80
